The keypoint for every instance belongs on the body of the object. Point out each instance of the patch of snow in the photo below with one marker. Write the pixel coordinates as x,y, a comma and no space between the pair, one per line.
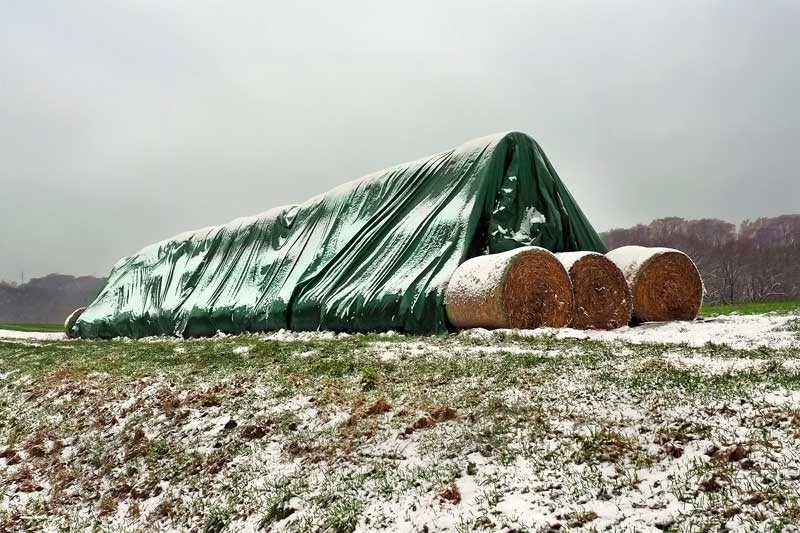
475,278
570,258
31,335
630,258
715,365
736,331
531,218
289,336
392,351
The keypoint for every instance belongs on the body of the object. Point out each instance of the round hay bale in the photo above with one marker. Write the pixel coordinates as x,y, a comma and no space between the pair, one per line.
523,288
665,283
69,323
601,294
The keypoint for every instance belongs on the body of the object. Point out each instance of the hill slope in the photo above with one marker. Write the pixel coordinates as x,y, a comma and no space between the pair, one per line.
46,300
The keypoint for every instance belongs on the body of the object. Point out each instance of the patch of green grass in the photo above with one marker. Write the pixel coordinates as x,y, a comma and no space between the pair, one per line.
217,520
157,449
606,445
333,358
354,360
751,308
47,328
343,516
278,508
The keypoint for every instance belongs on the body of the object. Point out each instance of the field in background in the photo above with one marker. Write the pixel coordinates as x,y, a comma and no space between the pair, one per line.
51,328
751,308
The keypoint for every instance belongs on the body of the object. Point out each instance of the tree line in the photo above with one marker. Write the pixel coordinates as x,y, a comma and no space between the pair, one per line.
48,299
759,260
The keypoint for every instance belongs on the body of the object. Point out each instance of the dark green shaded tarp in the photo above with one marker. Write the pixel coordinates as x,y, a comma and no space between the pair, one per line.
372,254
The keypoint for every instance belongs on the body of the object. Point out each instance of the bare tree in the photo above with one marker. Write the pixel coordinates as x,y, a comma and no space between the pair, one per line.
760,261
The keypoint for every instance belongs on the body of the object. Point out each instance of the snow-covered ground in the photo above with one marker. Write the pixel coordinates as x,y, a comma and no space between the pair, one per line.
30,335
736,331
679,425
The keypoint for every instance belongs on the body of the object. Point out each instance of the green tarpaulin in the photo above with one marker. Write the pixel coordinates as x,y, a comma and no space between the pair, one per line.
372,254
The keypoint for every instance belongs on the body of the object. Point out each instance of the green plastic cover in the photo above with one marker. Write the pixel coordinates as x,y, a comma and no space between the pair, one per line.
372,254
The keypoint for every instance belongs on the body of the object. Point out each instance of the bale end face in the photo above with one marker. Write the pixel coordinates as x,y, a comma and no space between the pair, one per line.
602,296
69,323
524,288
537,292
667,287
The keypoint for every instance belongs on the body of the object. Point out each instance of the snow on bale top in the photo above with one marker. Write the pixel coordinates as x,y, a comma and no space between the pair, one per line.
522,288
665,283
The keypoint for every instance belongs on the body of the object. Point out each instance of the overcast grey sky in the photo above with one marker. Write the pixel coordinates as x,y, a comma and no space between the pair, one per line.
122,123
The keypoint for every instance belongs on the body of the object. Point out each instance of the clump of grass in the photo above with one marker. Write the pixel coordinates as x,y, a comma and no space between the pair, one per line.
157,448
369,377
46,328
278,507
793,326
343,516
379,407
450,494
580,518
682,433
604,445
107,505
217,519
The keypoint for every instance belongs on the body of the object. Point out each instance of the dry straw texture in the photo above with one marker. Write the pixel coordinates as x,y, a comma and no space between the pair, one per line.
602,297
665,283
524,288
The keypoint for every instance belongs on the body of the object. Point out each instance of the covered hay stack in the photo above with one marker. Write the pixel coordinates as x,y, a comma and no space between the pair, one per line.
665,283
523,288
601,294
373,254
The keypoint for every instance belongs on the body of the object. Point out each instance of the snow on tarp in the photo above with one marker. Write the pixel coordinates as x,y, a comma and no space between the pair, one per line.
372,254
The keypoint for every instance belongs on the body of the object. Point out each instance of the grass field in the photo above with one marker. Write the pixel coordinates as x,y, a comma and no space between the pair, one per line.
751,308
33,327
469,432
